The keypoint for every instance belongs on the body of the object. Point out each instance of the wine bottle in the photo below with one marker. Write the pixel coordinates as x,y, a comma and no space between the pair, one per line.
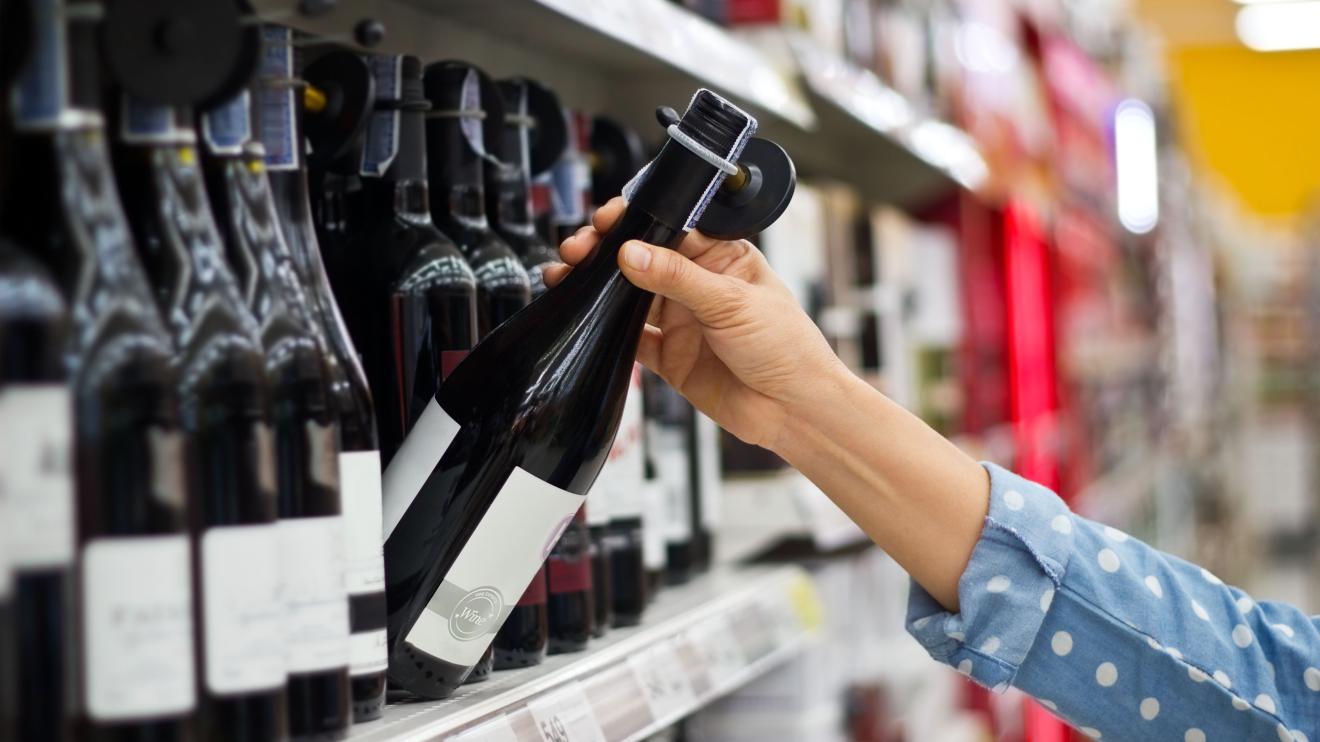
456,150
135,647
359,455
36,500
668,430
303,420
704,473
570,596
224,409
600,552
621,483
416,295
508,181
536,405
523,639
570,180
654,502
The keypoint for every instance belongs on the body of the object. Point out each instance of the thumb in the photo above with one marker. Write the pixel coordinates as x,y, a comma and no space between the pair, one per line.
713,298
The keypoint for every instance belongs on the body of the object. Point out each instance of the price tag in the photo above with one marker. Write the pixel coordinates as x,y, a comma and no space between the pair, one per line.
565,715
496,730
720,650
664,681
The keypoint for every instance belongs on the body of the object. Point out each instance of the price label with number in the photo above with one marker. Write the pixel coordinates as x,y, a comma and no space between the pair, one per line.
565,715
496,730
720,648
664,680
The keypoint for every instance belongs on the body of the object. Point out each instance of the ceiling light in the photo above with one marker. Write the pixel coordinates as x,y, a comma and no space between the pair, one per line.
1280,26
1136,167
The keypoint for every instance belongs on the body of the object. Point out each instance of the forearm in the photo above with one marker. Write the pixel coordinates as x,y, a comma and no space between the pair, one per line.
913,492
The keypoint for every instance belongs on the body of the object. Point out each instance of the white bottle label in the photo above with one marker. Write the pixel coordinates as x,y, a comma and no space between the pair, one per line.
669,452
494,568
316,604
708,471
359,477
619,486
364,570
137,627
242,616
415,460
653,525
36,477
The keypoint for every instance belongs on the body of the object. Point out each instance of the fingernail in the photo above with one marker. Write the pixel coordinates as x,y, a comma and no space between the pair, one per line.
637,255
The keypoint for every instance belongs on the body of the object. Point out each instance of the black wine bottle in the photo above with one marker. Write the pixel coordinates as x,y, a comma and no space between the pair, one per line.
456,150
303,420
570,180
570,593
523,639
37,506
224,412
416,296
704,474
508,180
621,483
135,588
536,405
359,455
668,430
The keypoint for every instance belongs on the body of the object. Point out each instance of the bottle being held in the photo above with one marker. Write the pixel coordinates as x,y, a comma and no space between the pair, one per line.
461,100
536,406
304,421
359,454
532,138
224,404
416,294
132,545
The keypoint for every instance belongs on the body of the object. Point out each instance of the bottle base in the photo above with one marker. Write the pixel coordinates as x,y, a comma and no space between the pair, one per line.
624,620
424,675
368,697
511,660
568,646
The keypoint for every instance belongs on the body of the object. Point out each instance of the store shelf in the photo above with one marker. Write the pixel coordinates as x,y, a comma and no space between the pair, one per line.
623,57
758,512
698,642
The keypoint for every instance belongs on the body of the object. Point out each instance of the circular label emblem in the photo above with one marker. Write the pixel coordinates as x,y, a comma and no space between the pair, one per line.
475,613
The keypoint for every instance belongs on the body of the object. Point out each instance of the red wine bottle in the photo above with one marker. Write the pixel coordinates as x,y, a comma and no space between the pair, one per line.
570,597
536,404
524,638
508,181
359,455
456,150
135,647
304,422
668,430
416,295
224,410
621,483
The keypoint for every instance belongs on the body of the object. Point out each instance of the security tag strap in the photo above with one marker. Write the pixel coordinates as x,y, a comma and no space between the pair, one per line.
708,155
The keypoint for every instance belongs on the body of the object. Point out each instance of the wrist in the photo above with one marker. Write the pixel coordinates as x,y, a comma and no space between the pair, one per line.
836,392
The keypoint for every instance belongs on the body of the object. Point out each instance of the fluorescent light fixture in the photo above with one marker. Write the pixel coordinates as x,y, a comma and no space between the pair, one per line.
1135,163
1280,26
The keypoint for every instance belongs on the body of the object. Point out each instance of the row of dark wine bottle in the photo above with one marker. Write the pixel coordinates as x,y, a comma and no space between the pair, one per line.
223,321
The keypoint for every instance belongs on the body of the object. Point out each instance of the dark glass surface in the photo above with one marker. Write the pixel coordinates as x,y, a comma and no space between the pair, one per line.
602,579
411,296
543,392
350,395
222,386
63,208
304,420
458,201
522,640
508,195
669,438
629,585
571,599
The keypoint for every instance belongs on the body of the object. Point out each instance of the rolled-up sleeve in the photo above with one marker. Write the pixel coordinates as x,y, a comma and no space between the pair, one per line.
1119,639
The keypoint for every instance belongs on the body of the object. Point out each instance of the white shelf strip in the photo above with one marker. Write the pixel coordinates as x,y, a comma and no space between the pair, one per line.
697,642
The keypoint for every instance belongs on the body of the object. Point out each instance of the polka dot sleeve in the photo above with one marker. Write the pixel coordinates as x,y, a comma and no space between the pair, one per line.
1119,639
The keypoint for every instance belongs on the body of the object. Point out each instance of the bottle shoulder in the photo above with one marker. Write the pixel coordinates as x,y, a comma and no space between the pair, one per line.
421,257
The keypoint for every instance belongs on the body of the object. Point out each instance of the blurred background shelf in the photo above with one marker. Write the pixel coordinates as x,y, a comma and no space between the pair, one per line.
620,58
698,642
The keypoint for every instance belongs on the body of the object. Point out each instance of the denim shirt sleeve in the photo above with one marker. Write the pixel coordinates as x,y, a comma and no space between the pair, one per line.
1118,639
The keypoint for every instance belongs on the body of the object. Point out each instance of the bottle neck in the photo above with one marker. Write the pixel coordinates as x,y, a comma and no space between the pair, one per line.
406,179
457,180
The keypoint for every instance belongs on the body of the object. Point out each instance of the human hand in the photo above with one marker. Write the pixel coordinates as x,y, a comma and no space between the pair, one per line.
723,330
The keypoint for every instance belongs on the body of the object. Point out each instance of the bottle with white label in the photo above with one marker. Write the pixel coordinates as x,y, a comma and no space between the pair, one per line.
620,484
531,415
304,421
414,295
704,475
223,400
668,430
135,647
359,456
